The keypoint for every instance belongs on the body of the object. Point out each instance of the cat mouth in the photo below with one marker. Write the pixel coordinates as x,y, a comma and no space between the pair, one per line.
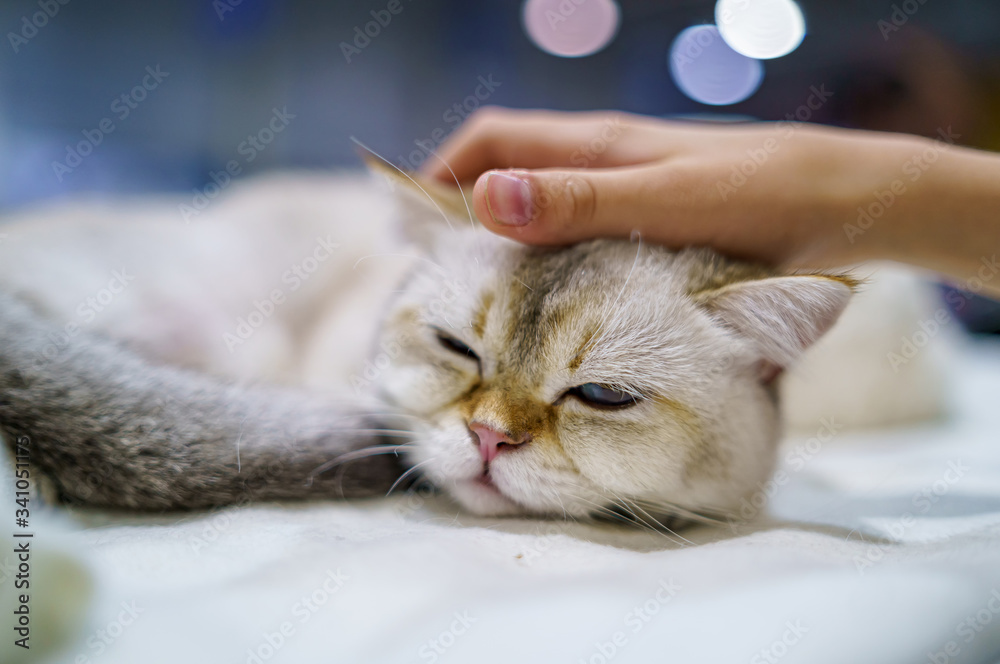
485,482
481,495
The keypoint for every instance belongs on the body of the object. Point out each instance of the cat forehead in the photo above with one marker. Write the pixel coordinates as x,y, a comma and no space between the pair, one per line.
585,270
629,291
533,283
523,299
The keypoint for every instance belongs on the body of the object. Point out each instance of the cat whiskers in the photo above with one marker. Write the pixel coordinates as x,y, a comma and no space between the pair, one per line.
406,175
610,311
398,433
654,523
606,512
239,438
407,473
386,413
468,209
563,506
631,517
703,515
472,219
635,261
354,455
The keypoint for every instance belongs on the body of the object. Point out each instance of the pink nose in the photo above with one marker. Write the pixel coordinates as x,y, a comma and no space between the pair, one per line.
490,440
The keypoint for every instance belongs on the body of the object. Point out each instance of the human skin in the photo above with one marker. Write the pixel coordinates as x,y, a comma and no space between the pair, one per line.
791,194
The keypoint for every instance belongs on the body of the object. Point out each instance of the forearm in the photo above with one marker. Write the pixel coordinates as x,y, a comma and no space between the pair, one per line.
958,232
919,201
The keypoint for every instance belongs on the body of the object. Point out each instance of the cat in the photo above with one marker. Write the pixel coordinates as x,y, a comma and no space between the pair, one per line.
273,349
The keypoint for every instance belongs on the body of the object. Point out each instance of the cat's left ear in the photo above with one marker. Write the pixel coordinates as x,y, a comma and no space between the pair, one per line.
780,316
426,207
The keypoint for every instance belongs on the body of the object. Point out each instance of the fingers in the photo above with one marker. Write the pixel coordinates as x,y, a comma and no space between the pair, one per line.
586,175
565,206
503,138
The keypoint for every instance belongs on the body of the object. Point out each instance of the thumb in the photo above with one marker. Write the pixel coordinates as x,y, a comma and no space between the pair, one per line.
562,206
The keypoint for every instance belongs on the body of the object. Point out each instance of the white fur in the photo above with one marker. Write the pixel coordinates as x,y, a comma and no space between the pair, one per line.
193,281
849,376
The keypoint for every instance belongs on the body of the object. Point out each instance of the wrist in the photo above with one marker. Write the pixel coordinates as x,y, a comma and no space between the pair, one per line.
959,230
882,190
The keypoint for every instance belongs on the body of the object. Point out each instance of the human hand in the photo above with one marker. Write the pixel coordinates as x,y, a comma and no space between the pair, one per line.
775,192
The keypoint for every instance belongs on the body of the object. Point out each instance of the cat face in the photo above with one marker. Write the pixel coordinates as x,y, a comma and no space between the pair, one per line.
574,381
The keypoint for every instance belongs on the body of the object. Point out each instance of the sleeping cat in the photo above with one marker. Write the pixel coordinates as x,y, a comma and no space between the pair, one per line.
272,348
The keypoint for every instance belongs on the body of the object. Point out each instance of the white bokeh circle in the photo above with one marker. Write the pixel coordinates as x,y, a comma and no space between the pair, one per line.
707,70
761,29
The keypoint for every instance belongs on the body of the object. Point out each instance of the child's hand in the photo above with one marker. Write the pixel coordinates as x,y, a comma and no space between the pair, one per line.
778,192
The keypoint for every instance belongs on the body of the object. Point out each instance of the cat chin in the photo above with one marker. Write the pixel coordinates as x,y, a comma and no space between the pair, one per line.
484,499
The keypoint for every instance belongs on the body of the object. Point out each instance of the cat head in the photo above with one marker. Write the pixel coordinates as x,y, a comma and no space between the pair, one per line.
585,380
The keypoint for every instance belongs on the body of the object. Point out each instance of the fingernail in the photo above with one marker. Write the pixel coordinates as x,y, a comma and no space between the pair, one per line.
508,198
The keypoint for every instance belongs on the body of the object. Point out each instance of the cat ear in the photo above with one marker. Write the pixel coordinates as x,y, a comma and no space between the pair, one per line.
425,207
780,316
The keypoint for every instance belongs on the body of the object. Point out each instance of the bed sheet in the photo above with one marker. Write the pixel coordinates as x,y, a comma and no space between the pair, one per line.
877,546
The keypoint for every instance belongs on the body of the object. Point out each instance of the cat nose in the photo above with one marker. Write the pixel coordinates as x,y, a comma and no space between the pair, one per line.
490,440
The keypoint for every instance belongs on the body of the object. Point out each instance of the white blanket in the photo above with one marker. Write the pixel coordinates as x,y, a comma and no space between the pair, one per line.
875,547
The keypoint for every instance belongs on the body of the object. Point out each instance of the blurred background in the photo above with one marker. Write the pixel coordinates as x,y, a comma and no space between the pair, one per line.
115,97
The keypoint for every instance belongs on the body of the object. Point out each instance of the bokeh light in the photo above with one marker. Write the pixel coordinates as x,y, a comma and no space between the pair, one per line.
761,29
707,70
571,28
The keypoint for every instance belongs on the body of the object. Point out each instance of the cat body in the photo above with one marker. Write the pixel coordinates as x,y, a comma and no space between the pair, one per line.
571,382
182,292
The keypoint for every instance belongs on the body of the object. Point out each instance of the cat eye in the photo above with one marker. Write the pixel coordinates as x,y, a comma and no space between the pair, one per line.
595,394
453,344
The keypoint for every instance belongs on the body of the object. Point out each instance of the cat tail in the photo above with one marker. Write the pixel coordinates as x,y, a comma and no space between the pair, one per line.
108,428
